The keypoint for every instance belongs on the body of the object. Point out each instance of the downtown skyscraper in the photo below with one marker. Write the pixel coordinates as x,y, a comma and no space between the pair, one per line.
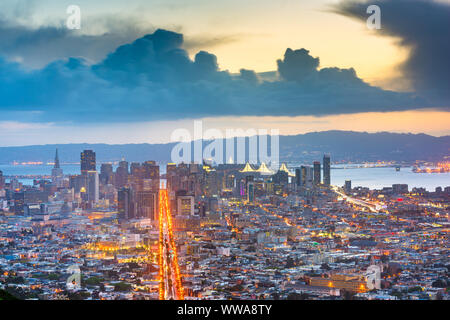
326,170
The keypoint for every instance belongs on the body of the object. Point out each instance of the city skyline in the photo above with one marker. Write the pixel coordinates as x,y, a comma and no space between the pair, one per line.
211,152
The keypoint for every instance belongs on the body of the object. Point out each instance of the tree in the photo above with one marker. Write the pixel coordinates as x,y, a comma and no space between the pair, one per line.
348,295
5,295
93,281
122,286
439,284
297,296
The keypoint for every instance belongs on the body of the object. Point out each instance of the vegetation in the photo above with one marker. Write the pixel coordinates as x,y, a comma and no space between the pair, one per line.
5,295
122,286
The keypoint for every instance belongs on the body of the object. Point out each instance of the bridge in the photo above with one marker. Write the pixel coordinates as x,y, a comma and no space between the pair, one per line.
170,285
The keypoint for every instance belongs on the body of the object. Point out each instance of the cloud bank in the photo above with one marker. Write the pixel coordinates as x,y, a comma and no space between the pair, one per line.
422,26
153,78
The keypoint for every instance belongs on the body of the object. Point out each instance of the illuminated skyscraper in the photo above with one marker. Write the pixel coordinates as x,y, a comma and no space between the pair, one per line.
146,204
88,161
121,176
185,205
89,176
303,176
326,170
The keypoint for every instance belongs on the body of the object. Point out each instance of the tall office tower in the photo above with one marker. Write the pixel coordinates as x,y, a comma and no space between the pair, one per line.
136,169
210,179
298,177
121,176
88,161
125,201
317,178
19,202
303,176
2,180
185,205
124,164
250,191
92,186
171,177
326,170
146,204
348,186
309,177
145,176
151,171
106,174
230,181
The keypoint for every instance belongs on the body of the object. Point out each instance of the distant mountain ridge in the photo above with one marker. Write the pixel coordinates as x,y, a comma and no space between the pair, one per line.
341,145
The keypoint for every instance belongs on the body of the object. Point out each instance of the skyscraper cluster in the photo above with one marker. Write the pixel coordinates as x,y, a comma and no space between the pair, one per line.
308,177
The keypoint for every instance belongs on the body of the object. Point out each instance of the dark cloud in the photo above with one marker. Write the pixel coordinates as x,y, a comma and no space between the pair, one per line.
423,26
297,65
153,78
36,47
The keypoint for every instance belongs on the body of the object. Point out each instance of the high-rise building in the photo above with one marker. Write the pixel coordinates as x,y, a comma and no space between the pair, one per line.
326,170
19,202
309,177
250,192
89,177
171,177
185,205
303,176
400,188
92,186
125,201
211,181
88,162
145,176
146,204
348,186
298,177
2,180
151,172
136,169
106,174
317,175
57,172
121,176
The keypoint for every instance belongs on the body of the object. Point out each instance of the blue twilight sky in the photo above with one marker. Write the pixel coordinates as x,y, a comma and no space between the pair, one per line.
137,70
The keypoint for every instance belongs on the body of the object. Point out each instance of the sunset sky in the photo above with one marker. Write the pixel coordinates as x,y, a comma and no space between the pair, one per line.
394,79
